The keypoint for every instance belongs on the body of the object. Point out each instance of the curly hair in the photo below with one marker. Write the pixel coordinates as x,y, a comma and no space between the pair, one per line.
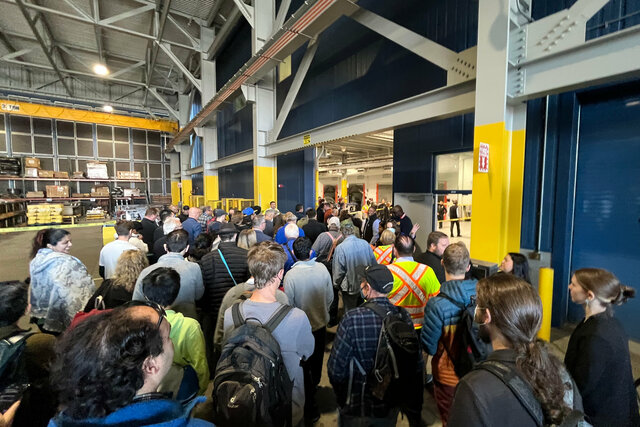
516,311
98,364
128,268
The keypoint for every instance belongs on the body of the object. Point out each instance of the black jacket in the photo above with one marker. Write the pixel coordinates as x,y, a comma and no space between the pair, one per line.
158,249
261,237
482,399
156,235
368,228
313,229
148,228
598,359
433,261
216,278
113,296
268,228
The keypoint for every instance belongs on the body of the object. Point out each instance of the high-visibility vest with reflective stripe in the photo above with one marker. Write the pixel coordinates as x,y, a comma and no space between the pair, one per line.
413,285
383,254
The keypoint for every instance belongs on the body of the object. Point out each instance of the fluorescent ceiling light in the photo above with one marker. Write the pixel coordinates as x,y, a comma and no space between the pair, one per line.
100,69
108,109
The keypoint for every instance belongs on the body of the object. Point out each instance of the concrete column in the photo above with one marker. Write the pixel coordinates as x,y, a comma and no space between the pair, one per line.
264,168
177,159
209,136
500,127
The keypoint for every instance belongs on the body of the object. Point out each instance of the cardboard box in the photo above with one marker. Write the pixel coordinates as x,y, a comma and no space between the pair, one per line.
31,172
78,174
31,194
128,175
99,191
57,190
131,192
96,170
45,174
80,195
61,175
31,162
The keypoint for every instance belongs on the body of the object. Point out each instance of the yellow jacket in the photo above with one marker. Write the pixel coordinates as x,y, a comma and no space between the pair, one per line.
413,285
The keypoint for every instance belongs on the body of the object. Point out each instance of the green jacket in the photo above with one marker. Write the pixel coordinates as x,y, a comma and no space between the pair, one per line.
189,346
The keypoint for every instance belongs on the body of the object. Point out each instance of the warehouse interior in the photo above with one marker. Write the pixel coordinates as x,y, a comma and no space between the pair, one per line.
524,112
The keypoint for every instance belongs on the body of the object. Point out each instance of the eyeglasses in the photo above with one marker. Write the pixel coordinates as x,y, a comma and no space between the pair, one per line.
148,303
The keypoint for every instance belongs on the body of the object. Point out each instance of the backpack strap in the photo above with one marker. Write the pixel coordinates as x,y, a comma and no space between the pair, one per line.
278,317
334,243
238,320
518,386
376,308
225,264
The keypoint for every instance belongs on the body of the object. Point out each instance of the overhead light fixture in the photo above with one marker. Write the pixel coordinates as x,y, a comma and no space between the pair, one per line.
107,109
100,69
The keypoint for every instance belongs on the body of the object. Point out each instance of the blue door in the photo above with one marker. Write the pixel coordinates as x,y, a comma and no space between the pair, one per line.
607,212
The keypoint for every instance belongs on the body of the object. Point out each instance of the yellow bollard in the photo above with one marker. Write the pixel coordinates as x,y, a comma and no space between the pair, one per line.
545,288
108,233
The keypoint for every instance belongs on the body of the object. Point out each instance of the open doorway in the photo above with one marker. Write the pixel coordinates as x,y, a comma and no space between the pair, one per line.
453,198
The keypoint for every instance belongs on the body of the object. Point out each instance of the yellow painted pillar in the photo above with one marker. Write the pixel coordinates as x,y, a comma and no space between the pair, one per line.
175,192
186,191
211,188
499,139
344,188
264,185
545,288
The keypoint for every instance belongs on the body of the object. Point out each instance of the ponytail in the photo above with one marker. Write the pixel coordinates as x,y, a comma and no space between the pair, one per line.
625,293
39,242
543,373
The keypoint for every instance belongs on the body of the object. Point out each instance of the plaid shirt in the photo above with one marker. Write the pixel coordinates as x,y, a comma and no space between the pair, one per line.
357,339
203,220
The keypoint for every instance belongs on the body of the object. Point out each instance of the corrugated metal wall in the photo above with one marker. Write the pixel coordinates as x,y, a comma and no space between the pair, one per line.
296,180
236,181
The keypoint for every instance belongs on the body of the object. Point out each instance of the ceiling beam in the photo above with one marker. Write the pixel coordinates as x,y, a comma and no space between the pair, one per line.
185,71
221,35
98,31
79,18
173,12
164,102
214,12
154,46
124,15
43,45
194,41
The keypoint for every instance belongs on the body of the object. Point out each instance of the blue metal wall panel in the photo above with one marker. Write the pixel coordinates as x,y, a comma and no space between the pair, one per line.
415,146
607,216
235,130
356,70
234,54
236,181
296,180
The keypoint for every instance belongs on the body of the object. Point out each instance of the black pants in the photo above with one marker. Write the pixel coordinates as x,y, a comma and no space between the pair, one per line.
457,223
312,367
333,308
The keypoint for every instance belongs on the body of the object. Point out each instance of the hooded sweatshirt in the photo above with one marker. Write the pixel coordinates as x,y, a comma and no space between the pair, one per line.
60,287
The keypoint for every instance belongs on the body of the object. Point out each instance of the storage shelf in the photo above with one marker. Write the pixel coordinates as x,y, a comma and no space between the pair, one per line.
55,199
29,178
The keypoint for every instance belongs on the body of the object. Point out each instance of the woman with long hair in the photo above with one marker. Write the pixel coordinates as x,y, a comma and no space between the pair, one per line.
119,289
247,239
509,312
598,353
60,283
516,264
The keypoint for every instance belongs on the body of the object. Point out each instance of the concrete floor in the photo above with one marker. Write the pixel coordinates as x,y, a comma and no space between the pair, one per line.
87,242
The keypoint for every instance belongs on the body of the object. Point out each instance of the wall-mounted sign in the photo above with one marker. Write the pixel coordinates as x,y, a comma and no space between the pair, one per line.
306,139
483,158
9,107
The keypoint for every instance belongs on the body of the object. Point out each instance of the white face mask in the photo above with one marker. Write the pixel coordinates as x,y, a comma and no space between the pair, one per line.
393,230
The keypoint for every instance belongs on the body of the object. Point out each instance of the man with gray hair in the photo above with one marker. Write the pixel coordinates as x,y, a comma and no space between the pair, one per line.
349,256
440,314
266,264
259,224
170,223
291,234
205,216
268,219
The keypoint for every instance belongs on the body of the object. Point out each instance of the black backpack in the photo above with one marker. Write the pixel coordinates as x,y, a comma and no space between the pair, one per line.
395,377
13,374
522,390
251,384
468,349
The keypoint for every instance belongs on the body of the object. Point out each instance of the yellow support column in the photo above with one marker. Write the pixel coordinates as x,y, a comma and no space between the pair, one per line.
499,139
344,191
264,185
175,192
211,188
186,191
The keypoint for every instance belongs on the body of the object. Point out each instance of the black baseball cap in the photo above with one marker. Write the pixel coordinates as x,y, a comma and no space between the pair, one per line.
219,212
378,277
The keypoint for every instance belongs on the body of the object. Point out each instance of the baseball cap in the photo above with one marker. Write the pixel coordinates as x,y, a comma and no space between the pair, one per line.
257,210
219,212
334,221
378,277
248,211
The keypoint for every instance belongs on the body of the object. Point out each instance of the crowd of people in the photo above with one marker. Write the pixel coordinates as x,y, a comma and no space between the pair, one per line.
234,307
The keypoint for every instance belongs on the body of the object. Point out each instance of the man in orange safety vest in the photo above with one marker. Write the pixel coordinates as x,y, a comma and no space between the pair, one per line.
413,283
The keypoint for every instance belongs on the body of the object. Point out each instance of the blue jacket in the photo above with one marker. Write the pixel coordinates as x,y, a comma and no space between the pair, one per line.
441,317
158,412
192,227
281,239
